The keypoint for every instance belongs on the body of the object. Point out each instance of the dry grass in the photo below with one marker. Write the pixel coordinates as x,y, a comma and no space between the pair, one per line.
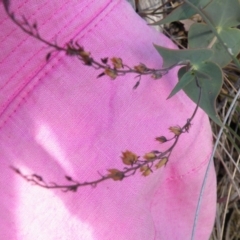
227,159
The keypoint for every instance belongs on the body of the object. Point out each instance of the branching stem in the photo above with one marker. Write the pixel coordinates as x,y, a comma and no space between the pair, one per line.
114,69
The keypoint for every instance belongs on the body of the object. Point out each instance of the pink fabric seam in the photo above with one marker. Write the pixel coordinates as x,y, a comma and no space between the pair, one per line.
33,13
193,170
43,47
21,88
27,93
19,7
20,43
47,72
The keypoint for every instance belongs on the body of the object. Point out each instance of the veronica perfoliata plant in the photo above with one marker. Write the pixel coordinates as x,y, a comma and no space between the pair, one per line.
212,44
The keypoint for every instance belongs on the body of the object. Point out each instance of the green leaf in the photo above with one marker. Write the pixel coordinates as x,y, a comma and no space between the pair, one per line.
201,36
223,13
182,12
184,81
172,56
210,87
187,78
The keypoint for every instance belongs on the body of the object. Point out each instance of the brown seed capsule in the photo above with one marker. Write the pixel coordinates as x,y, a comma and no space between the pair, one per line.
176,130
145,170
129,158
111,73
115,174
85,57
149,156
141,68
161,163
161,139
117,62
156,75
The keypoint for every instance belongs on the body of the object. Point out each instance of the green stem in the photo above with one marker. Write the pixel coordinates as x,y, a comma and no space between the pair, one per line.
206,19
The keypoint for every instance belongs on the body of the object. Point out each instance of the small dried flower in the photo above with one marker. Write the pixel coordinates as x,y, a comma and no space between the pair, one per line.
129,158
161,163
149,156
115,174
111,73
145,170
161,139
85,56
141,68
117,63
156,75
176,130
71,51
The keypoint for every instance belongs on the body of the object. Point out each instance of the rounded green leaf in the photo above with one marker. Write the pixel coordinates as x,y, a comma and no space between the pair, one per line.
184,81
210,87
224,13
172,56
201,36
182,12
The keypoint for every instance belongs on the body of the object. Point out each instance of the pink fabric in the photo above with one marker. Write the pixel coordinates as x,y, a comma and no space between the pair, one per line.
58,119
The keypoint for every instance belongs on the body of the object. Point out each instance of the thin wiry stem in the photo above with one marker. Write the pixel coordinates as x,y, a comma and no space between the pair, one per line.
114,69
142,165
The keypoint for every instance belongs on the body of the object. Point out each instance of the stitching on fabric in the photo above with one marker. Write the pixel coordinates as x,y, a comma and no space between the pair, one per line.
42,47
20,43
193,170
7,18
19,7
98,21
29,91
21,87
33,14
61,30
18,90
13,50
52,66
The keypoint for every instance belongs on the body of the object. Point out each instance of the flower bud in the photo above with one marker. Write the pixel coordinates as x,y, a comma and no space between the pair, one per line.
145,170
129,158
162,162
117,63
111,73
115,174
149,156
161,139
141,68
176,130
